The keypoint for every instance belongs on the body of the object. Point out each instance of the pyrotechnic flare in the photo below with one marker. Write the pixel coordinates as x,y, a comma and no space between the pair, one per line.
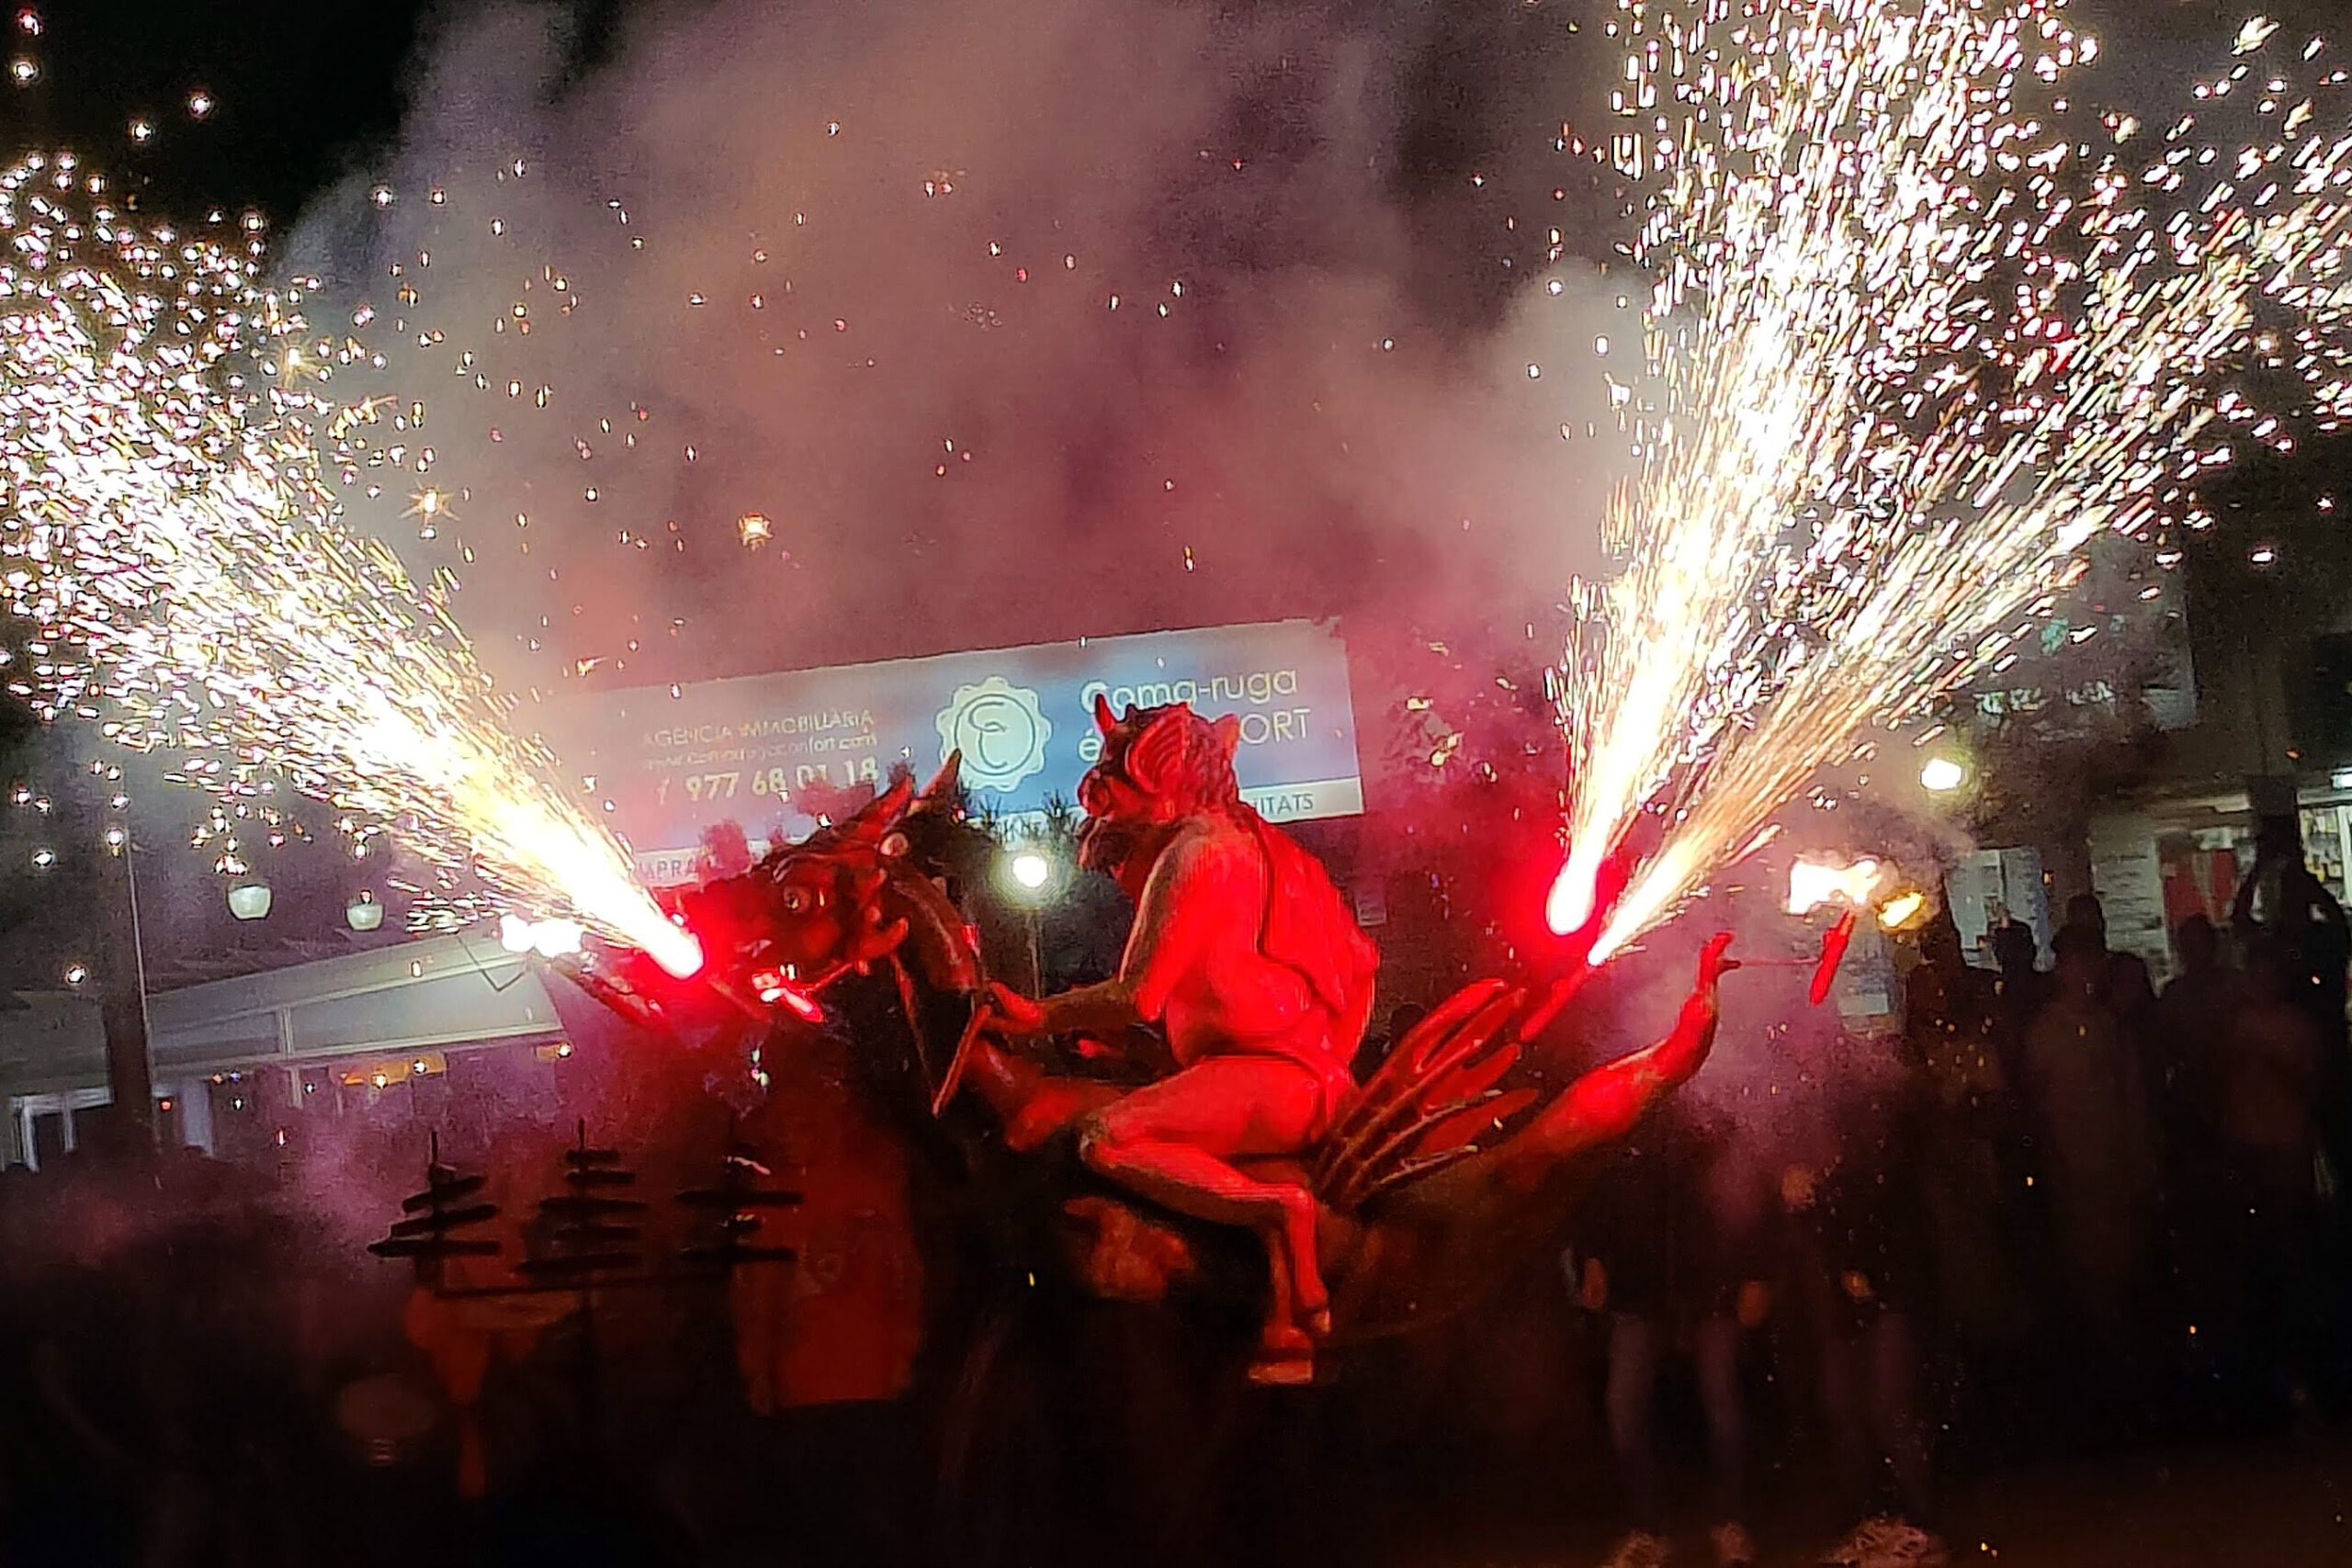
1918,351
165,527
1813,883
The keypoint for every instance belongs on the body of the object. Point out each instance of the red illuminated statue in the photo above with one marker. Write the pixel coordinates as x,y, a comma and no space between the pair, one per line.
1245,955
1378,1207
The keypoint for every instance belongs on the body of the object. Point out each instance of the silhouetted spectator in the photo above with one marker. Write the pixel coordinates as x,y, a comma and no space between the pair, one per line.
1671,1245
2128,990
1861,1277
2193,1020
2266,1079
2087,1103
1948,1007
2282,897
1951,1017
2017,993
2266,1090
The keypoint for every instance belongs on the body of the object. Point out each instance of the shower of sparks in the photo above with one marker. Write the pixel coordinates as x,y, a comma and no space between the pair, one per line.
164,527
1922,355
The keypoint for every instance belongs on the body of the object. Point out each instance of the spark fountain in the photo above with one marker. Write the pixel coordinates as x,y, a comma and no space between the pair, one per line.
165,528
1921,351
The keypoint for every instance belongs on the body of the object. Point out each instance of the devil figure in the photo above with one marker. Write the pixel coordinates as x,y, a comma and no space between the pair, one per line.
1249,959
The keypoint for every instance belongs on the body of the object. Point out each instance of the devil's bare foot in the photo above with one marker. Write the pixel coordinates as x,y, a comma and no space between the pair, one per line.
1286,1358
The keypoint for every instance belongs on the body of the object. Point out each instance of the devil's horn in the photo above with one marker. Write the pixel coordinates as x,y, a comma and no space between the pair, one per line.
1103,718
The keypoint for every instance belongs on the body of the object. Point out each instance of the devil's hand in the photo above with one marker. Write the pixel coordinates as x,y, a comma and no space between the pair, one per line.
1013,1015
1714,961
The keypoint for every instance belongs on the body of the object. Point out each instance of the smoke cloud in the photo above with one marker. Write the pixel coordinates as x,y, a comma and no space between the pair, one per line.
742,336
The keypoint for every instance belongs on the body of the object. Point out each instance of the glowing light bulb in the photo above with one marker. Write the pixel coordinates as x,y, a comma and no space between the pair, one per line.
1941,775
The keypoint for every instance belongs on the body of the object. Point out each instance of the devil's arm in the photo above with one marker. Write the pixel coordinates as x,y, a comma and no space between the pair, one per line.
1180,902
1104,1008
1605,1104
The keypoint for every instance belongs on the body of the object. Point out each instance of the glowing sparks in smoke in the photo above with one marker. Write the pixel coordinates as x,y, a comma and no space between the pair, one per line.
1901,910
1921,354
164,527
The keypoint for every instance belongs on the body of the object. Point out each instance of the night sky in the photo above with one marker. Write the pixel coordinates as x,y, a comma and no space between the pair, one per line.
303,90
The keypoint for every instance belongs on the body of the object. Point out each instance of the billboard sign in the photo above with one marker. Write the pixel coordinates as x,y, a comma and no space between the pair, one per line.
673,760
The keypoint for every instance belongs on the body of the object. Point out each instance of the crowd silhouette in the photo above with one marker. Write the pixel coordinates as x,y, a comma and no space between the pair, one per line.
2067,1213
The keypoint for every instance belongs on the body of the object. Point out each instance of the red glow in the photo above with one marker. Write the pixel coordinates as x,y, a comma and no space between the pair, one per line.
1562,991
1616,872
774,987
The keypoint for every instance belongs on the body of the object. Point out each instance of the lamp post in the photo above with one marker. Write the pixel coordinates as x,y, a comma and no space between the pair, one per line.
122,1010
1031,876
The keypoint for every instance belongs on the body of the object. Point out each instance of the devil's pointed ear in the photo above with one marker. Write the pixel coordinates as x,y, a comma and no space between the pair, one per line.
1228,731
1103,719
1155,761
939,795
877,814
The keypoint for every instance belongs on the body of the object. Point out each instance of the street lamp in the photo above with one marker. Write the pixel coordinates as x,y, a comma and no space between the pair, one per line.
1031,876
1941,775
363,913
250,901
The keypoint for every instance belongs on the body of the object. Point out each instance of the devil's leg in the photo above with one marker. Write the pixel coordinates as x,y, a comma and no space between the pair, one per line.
1286,1351
1173,1142
1033,1104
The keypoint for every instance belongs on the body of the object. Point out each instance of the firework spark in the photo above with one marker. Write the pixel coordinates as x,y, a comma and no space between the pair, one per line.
1920,355
164,526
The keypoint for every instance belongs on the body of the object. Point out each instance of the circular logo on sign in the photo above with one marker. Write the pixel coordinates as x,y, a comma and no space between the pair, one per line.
999,730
